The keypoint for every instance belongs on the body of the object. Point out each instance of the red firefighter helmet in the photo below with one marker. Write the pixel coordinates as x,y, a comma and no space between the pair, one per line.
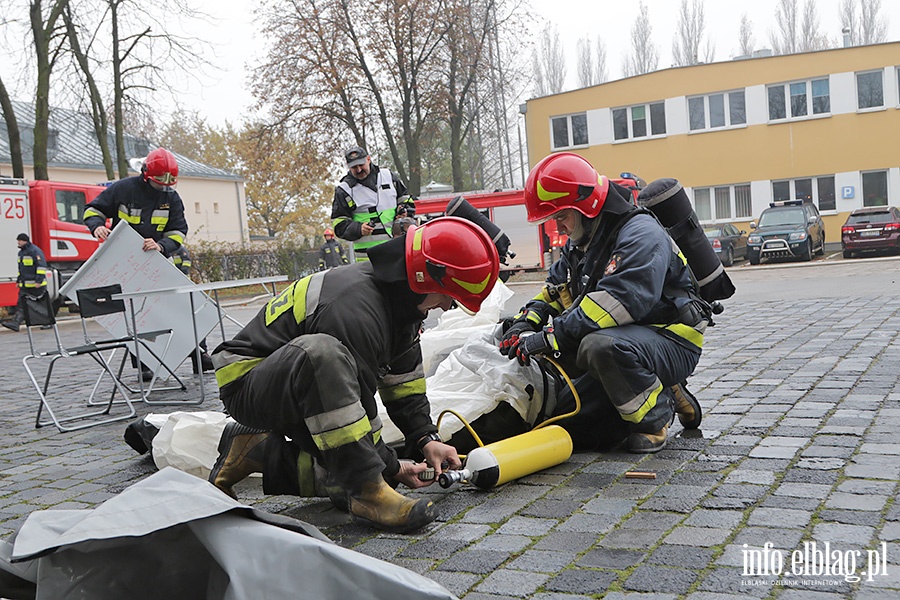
452,256
564,180
328,233
161,168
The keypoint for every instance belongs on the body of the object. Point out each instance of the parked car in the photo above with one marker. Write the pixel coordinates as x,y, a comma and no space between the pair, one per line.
871,228
728,241
787,229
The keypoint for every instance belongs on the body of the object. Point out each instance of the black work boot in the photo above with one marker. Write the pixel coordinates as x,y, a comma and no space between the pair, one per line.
206,363
647,443
686,406
241,452
10,324
378,505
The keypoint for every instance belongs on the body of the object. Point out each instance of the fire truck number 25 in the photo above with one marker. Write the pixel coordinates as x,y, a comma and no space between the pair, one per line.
13,208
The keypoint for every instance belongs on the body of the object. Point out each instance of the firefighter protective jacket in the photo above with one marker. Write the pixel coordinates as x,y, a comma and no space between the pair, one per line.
640,277
373,200
32,268
350,305
153,214
331,254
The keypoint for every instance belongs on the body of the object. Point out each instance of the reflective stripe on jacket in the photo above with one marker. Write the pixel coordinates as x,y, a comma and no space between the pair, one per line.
32,267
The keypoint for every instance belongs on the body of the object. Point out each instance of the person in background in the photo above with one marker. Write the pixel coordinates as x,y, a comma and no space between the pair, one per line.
367,201
331,253
149,203
32,279
182,259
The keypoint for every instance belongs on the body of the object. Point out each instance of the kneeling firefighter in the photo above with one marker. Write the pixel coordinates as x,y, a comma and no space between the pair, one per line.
308,365
627,319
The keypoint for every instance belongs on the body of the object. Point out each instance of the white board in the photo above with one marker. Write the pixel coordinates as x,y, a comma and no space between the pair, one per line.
121,259
14,219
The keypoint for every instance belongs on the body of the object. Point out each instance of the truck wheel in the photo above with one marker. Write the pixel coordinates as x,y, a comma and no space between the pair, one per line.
821,250
728,260
807,251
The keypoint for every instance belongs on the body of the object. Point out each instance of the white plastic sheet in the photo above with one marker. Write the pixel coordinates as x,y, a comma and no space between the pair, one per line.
188,441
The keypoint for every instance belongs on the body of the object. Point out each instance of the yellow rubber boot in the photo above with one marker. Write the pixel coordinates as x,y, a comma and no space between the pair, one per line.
380,506
241,453
647,443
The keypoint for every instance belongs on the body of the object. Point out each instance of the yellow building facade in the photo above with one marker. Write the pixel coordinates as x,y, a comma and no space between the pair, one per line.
822,126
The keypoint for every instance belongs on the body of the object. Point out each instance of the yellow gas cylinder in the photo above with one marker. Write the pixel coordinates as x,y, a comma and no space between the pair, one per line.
503,461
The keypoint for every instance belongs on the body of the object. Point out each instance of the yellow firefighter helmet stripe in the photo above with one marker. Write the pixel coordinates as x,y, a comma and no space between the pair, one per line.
546,196
472,288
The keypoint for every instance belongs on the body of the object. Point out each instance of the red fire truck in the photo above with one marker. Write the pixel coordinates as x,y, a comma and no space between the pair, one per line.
50,212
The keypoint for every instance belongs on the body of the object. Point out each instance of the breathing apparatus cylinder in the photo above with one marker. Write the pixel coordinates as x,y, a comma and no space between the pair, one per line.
512,458
667,199
460,207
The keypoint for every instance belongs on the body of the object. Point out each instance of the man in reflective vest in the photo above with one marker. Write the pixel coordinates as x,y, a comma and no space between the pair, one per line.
307,367
627,321
32,278
366,202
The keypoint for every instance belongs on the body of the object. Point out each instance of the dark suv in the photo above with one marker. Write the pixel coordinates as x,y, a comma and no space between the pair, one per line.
787,229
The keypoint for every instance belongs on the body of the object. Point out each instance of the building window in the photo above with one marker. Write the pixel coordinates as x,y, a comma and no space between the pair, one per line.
799,99
216,207
717,110
631,122
869,90
569,131
816,190
875,188
197,207
723,202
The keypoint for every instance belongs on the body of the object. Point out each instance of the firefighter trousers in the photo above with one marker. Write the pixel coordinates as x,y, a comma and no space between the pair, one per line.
623,372
308,391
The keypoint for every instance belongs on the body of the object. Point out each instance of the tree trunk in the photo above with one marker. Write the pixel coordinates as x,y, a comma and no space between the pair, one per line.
12,127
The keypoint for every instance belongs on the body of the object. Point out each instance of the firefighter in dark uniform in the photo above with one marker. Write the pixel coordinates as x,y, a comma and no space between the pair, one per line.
366,202
181,258
149,203
308,365
32,279
626,316
331,253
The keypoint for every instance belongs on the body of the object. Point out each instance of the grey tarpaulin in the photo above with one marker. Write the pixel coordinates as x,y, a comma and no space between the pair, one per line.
175,536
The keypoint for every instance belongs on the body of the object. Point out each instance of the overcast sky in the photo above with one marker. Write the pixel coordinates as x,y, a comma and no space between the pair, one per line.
224,94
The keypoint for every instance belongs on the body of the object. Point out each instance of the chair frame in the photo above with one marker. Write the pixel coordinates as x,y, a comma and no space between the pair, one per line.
39,311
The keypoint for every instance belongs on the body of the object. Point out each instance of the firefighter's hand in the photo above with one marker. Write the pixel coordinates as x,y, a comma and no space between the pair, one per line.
541,343
366,229
150,244
441,456
512,335
101,233
408,474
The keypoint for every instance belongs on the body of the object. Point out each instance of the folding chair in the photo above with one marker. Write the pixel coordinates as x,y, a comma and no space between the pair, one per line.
39,312
96,302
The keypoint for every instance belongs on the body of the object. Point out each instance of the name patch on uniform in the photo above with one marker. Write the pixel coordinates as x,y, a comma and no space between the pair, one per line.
613,264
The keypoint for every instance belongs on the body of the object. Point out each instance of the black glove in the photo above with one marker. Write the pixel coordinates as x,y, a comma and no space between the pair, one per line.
521,324
406,210
540,343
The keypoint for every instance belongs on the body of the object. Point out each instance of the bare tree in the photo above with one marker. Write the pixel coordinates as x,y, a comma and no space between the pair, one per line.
550,63
689,34
47,46
591,66
798,28
872,27
12,129
644,55
745,37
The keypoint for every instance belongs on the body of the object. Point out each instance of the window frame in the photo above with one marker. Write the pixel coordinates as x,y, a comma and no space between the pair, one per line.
887,186
814,199
711,192
856,76
727,112
809,100
569,131
650,122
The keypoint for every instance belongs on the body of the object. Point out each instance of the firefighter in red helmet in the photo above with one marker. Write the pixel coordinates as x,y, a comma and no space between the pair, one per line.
331,253
300,378
149,203
627,319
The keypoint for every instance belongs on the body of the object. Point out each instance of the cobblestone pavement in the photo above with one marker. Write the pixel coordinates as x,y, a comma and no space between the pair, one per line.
794,472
